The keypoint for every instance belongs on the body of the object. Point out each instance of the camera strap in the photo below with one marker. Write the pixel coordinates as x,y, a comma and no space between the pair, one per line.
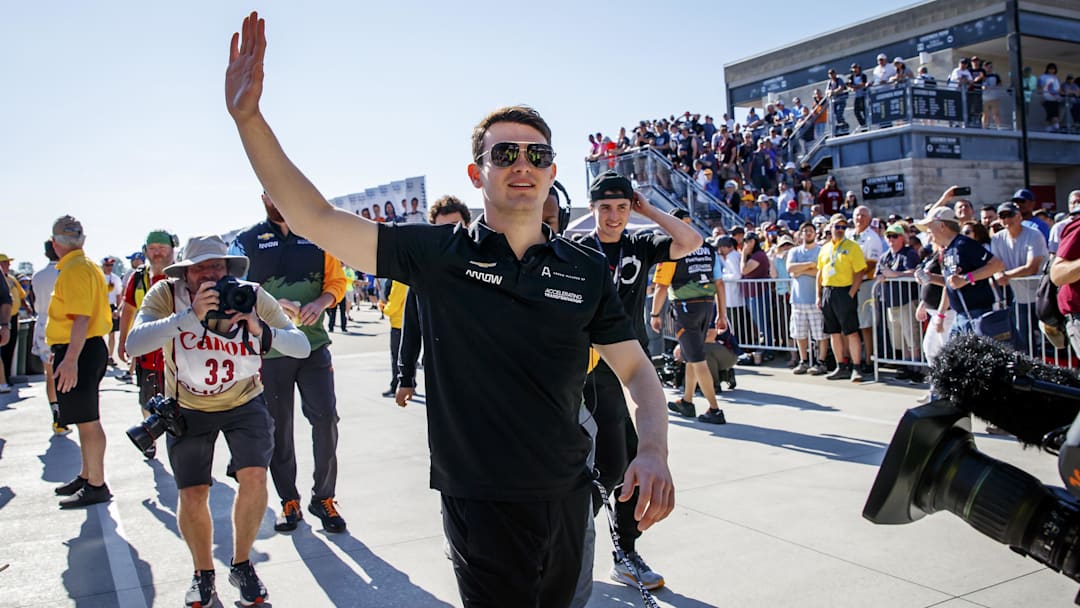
609,509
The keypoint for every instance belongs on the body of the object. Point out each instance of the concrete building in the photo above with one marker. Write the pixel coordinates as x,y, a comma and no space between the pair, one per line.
920,138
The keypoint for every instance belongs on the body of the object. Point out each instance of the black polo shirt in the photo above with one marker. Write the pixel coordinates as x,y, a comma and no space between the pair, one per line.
505,353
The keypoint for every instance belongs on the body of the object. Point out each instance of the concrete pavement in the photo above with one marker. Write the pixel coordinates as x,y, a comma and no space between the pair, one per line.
768,510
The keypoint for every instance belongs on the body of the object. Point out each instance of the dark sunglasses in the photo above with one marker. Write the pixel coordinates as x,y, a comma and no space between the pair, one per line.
1006,215
840,227
893,236
505,154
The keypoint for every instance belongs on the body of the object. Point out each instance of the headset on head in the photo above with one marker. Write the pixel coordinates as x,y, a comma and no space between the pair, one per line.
175,240
564,210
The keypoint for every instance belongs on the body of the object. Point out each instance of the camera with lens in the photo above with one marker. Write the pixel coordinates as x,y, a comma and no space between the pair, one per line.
164,417
233,295
671,372
932,463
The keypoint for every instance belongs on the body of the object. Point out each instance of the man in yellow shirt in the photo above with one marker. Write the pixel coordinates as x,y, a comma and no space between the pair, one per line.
79,318
394,309
7,351
841,267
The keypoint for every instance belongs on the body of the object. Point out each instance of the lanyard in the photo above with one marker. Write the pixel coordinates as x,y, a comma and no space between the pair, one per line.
619,554
616,271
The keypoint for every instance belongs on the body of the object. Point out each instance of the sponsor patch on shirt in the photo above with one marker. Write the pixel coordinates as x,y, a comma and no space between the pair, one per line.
265,236
565,296
486,277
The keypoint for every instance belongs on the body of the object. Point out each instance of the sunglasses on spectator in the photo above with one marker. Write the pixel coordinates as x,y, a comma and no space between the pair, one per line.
840,227
894,236
1006,215
505,154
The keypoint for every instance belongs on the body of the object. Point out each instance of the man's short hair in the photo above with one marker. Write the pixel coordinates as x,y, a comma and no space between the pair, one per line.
445,205
523,115
989,208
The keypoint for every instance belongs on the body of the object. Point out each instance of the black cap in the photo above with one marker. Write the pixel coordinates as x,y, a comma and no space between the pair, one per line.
610,185
737,229
679,213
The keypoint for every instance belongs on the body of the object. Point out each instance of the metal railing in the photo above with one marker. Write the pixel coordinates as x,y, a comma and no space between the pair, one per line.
759,315
653,174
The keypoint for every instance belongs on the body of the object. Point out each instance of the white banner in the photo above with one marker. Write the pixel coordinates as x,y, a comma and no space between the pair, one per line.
399,201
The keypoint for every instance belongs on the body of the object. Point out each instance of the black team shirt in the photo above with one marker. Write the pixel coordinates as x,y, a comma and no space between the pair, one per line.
506,345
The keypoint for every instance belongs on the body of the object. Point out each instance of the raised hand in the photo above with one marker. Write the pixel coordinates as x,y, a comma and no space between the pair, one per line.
244,77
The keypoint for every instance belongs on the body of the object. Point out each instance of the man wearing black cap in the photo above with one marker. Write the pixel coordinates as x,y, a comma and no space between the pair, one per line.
1025,200
857,82
629,257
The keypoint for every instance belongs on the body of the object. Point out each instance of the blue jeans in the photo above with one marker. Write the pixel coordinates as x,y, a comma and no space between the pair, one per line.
759,307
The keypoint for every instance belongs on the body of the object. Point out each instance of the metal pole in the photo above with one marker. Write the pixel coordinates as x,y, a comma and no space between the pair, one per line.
1016,58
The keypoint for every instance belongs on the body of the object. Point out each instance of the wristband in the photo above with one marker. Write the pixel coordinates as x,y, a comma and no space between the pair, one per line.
969,279
940,316
654,315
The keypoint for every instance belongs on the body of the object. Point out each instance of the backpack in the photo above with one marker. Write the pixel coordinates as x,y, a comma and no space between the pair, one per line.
1046,303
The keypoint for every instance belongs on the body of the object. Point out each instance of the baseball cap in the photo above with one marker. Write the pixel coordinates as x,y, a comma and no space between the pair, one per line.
107,260
837,220
793,204
779,102
731,184
4,258
610,185
763,198
138,255
898,60
784,240
937,213
881,56
896,228
1010,206
737,229
855,66
1023,194
69,231
789,165
160,237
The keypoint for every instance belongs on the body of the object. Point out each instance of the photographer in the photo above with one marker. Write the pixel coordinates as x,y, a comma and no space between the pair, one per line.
212,358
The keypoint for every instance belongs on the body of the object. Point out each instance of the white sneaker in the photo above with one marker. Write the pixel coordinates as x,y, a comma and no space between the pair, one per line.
5,388
924,399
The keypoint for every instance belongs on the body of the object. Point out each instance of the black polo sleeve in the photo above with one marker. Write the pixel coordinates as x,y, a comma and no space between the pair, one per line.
656,247
609,324
407,251
5,294
409,351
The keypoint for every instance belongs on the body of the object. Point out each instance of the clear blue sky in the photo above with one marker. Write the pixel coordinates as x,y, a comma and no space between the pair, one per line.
114,112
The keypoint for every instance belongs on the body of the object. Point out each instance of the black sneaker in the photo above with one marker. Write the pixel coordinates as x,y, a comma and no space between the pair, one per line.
866,369
916,378
842,372
713,416
389,393
650,579
324,509
903,374
730,379
203,591
290,515
70,487
243,577
682,408
86,496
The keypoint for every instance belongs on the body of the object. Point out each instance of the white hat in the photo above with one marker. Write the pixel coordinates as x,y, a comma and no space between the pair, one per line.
882,56
937,213
202,248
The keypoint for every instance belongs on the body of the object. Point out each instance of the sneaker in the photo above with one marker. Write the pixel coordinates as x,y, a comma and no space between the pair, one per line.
713,416
649,579
801,368
683,408
729,377
5,388
203,592
86,496
903,374
70,487
927,398
842,372
151,452
60,429
243,577
324,509
866,369
124,377
857,373
389,393
818,369
290,515
916,377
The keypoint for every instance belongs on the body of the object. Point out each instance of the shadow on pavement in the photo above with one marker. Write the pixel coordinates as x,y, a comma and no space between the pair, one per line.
607,594
748,397
221,504
833,447
88,578
61,461
362,580
6,494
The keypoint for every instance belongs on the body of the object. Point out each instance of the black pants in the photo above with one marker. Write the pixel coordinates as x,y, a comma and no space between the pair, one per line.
395,346
616,446
314,376
860,110
520,554
7,352
342,308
